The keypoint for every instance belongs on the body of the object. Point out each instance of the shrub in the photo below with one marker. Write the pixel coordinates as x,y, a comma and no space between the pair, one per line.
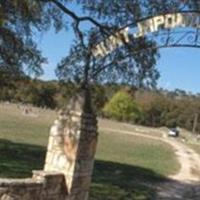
122,107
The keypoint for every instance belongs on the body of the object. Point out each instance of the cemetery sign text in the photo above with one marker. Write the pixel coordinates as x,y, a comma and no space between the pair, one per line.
149,25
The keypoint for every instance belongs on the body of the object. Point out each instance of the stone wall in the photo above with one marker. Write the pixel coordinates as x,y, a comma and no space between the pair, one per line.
69,161
42,186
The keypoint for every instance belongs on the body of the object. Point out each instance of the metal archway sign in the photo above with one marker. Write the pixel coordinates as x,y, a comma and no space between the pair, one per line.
181,29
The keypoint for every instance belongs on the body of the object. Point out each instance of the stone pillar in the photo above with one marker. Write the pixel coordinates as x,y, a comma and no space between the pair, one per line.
72,147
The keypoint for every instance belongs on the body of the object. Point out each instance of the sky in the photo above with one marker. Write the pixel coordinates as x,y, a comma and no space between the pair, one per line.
179,67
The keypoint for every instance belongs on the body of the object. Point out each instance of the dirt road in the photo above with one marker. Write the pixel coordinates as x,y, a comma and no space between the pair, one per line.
185,184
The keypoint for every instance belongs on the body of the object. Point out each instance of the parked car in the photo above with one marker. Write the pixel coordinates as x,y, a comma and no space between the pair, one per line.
173,132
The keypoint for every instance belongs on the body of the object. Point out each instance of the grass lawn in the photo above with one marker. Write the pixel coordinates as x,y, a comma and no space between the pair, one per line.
126,167
16,127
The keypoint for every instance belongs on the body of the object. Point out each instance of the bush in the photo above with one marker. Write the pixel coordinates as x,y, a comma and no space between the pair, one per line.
122,107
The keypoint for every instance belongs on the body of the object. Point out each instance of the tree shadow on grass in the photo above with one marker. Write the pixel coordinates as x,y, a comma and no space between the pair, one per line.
111,181
17,160
114,181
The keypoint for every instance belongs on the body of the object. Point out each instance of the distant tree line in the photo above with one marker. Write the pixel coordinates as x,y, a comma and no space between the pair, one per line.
120,102
156,108
23,89
50,94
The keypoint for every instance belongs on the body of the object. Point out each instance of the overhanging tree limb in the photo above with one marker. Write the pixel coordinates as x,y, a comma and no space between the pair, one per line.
76,18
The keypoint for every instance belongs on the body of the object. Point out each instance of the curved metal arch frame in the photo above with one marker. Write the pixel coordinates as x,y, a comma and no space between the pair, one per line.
168,37
188,38
134,24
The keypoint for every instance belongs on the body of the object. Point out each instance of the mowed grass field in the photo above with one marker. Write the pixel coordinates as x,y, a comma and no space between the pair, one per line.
126,167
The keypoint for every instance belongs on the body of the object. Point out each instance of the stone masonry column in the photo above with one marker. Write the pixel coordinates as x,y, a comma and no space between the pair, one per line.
72,147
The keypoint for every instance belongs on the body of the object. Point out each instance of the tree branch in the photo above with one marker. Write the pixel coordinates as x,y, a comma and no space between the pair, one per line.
102,28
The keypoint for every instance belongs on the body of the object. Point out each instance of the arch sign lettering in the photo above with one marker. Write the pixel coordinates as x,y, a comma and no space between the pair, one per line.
146,26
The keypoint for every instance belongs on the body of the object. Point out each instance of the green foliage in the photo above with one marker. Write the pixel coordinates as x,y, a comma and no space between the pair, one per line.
99,96
35,92
51,94
122,107
145,107
121,66
21,19
19,53
163,108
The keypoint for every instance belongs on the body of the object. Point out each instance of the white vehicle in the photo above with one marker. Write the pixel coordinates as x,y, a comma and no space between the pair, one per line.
173,132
